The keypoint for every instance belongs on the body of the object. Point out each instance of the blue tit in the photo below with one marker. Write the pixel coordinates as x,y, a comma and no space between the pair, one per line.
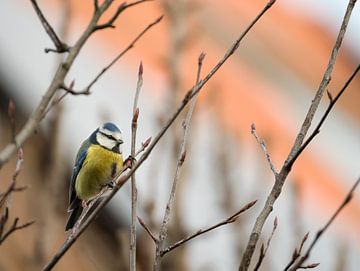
98,161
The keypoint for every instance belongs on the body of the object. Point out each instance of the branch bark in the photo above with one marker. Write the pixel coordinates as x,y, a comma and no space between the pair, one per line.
296,149
133,180
345,202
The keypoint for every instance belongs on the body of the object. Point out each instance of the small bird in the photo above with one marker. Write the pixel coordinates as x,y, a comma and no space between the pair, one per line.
97,162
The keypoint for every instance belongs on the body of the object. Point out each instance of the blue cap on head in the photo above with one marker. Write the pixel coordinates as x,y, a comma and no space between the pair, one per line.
111,127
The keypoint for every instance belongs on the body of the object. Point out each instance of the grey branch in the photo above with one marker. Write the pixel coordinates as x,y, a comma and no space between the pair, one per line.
14,227
297,252
59,45
286,168
263,147
226,221
263,249
134,125
345,202
142,223
180,161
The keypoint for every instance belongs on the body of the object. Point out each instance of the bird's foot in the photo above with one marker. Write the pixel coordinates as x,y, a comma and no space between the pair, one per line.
129,162
110,184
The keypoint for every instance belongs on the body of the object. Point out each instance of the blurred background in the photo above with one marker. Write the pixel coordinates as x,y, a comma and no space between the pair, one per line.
270,81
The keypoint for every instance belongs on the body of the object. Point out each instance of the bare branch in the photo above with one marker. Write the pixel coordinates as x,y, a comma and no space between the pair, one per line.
120,181
263,147
226,221
264,250
142,223
14,227
180,161
297,253
310,266
286,168
96,5
323,85
321,122
11,114
134,125
327,225
120,9
12,187
130,46
59,45
143,146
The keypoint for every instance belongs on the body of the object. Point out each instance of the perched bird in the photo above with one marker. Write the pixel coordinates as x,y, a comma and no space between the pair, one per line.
97,162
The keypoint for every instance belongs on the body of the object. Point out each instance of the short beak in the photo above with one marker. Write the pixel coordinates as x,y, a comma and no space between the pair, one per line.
120,141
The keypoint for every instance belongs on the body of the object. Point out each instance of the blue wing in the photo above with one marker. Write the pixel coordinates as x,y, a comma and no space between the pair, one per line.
80,157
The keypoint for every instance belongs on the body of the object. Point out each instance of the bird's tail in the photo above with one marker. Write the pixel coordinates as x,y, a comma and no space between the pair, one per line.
76,210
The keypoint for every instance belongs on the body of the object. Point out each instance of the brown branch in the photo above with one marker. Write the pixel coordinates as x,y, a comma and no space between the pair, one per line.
56,83
321,122
310,266
134,125
11,114
14,227
226,221
120,9
120,181
142,223
264,250
324,83
12,187
130,46
326,226
59,45
286,168
297,253
180,161
263,147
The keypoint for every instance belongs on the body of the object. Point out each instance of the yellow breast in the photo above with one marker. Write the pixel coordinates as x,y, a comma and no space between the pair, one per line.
99,167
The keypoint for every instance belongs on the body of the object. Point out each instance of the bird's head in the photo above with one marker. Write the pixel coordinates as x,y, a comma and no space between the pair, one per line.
109,136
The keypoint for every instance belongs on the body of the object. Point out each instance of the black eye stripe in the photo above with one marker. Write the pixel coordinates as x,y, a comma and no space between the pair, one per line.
109,136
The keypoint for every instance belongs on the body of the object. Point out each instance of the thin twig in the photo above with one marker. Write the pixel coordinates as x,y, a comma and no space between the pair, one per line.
323,85
12,187
264,250
326,226
309,266
14,227
286,168
134,125
59,45
120,181
142,223
263,147
130,46
120,9
11,114
228,220
297,253
180,161
321,122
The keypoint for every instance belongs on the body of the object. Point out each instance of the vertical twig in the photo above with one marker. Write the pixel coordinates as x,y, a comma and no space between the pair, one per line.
133,180
181,159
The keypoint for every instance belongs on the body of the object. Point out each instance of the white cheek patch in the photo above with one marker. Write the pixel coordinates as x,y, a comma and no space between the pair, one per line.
105,141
